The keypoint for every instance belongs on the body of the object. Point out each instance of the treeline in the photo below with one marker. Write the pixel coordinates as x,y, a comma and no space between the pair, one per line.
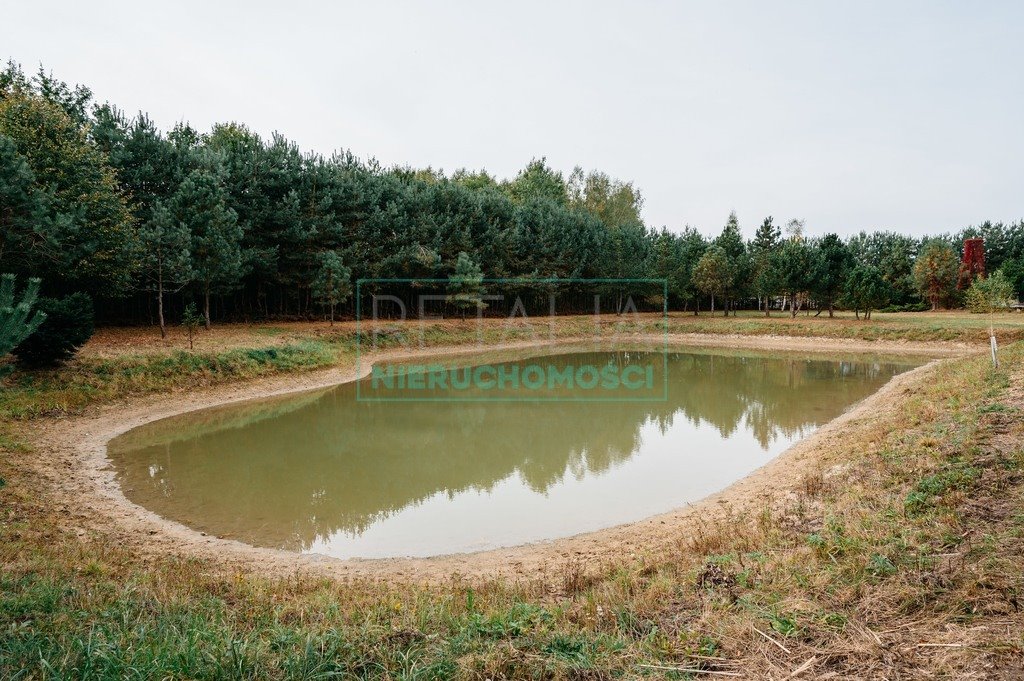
145,221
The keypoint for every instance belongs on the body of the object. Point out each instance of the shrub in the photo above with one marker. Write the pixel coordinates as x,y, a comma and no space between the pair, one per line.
990,294
907,307
68,325
191,321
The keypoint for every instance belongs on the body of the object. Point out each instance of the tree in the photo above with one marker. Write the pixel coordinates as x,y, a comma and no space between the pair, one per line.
692,245
730,243
611,201
74,225
538,181
1013,270
465,285
767,238
15,323
795,266
893,254
990,294
215,236
795,230
25,227
166,259
713,274
68,325
332,284
833,264
475,181
191,320
866,290
769,278
935,272
625,254
765,276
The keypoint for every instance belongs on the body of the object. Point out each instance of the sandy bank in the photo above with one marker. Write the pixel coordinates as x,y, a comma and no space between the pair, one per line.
71,466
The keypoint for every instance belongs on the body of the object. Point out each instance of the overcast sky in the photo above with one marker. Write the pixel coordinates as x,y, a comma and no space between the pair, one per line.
852,115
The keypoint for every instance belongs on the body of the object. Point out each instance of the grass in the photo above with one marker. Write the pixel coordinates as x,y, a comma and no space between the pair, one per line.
126,362
901,555
901,326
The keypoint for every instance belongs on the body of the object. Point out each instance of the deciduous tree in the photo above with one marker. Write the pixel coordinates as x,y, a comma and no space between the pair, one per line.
935,272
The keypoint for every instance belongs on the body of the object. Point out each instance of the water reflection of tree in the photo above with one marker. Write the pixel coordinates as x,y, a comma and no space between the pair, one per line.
335,464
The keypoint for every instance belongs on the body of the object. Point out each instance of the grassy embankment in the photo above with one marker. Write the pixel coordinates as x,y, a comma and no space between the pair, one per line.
909,555
125,362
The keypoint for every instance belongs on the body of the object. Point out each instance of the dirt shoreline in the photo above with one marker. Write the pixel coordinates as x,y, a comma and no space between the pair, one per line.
71,463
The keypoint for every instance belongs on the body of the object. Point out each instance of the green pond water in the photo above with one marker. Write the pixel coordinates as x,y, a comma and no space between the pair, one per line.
339,473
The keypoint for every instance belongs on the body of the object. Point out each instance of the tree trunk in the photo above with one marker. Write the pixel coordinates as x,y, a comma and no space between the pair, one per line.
206,305
160,302
830,309
332,314
712,305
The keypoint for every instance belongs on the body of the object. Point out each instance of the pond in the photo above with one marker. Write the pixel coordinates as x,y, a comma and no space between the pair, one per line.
342,473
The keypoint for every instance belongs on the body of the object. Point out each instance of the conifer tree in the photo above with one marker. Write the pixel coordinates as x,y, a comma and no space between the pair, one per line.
866,289
166,259
765,263
465,285
75,226
215,236
730,243
17,321
833,263
796,266
332,284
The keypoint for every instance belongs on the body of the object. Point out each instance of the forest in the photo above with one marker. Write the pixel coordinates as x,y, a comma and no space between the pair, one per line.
146,222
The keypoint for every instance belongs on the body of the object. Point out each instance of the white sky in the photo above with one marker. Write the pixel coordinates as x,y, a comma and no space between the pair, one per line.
906,115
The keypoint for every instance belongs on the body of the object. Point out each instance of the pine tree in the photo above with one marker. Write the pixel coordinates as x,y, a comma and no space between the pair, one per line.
191,320
692,246
833,263
730,243
764,263
796,270
332,284
767,238
866,289
465,285
76,226
166,260
215,236
16,324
